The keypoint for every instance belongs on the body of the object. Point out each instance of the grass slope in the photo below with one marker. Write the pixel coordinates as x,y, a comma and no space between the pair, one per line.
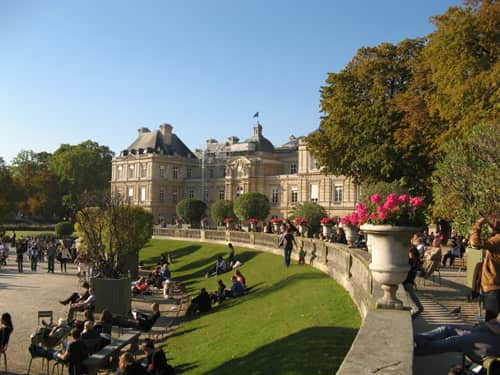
293,321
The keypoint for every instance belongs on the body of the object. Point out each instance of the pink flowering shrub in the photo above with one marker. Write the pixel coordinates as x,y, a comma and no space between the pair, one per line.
252,220
327,220
301,220
400,210
276,220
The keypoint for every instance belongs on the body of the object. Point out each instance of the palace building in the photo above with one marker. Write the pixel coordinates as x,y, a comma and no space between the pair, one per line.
157,170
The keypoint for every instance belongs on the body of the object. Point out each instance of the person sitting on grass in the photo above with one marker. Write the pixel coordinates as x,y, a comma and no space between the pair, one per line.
237,288
241,278
87,304
156,361
220,294
219,267
201,303
140,286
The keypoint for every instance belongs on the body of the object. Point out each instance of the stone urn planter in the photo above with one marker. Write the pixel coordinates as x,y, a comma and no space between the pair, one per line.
229,225
112,294
327,229
252,227
276,227
351,233
302,229
389,247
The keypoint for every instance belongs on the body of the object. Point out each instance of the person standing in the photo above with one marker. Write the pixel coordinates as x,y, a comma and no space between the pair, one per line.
64,257
490,276
51,256
35,253
409,282
287,241
19,256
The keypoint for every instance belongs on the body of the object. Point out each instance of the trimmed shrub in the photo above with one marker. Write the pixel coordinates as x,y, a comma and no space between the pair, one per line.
64,229
191,210
252,206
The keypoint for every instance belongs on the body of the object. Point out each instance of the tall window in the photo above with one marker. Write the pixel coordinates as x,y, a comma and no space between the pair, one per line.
175,172
189,172
239,191
174,197
162,171
293,168
131,170
275,196
221,195
119,172
131,193
143,194
338,193
210,172
162,195
191,194
144,170
314,192
295,195
314,164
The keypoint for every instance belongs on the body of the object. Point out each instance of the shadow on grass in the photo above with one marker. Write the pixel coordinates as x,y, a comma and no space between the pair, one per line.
315,350
174,254
184,367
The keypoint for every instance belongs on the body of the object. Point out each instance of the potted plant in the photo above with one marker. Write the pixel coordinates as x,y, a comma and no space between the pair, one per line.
276,221
111,233
350,225
178,222
390,222
327,224
301,223
229,222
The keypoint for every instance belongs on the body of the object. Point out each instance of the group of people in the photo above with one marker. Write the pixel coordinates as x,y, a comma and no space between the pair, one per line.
481,341
37,250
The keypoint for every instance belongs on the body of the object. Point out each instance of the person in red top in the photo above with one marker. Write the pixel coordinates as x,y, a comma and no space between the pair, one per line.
490,276
241,278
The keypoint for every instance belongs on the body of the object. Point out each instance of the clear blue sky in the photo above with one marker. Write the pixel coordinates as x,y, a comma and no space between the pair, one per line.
71,71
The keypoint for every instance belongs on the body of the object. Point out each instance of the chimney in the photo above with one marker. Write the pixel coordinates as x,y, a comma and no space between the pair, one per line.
166,132
233,140
143,130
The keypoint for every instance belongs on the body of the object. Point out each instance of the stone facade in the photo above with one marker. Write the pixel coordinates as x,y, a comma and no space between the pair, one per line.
157,170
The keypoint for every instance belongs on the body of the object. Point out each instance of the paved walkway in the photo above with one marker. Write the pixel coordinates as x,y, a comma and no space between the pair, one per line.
440,300
24,294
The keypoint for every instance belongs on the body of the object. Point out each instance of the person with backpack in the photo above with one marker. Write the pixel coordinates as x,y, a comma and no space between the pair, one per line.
490,275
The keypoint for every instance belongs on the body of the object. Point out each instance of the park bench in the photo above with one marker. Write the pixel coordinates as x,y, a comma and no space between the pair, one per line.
111,351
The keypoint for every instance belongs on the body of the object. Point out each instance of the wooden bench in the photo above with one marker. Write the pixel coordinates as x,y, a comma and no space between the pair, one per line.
102,357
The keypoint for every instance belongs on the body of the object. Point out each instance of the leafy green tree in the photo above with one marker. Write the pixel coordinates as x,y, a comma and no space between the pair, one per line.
462,55
466,183
252,206
383,188
9,193
221,209
357,134
39,187
191,210
80,168
313,212
64,229
112,233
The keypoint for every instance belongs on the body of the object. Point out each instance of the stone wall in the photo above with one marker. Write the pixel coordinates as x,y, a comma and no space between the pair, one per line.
384,344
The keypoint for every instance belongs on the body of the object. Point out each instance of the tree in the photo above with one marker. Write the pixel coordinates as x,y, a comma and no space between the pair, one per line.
383,188
220,210
64,229
191,210
81,168
462,55
466,183
40,193
357,134
252,206
112,233
8,193
313,212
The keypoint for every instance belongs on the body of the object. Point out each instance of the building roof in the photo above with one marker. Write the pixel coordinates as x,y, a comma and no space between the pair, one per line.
261,143
153,143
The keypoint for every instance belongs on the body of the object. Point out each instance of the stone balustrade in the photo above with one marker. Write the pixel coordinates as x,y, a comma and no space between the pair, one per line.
384,343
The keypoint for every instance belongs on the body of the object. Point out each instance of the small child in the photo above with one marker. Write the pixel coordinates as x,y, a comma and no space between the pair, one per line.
302,254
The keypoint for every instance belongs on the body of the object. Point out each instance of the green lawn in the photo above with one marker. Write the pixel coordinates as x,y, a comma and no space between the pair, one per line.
30,233
293,321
